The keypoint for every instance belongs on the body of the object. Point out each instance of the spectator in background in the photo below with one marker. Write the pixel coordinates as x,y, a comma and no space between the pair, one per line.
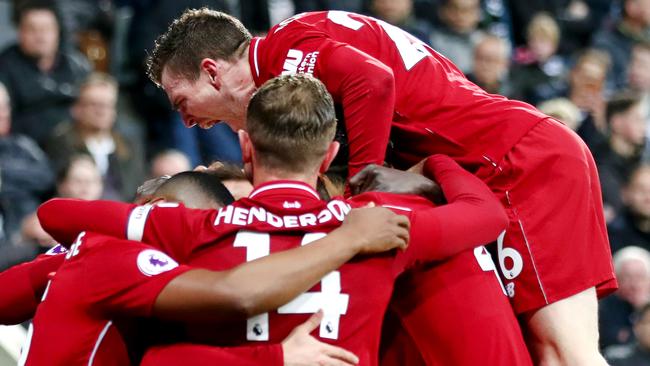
586,89
120,161
563,110
400,13
537,65
165,127
41,76
355,6
633,27
638,76
490,67
577,19
617,157
457,33
169,162
632,266
80,178
637,354
632,225
25,174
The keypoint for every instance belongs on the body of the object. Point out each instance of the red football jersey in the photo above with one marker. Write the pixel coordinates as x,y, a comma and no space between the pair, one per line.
390,83
23,286
283,215
101,278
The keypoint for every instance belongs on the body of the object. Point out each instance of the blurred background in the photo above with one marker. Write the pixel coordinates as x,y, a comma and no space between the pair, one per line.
79,118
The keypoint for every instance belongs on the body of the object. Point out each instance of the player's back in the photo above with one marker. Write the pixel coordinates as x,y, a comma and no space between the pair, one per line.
353,298
435,105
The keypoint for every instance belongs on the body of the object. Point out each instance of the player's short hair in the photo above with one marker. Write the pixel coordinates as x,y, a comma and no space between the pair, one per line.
227,171
195,35
291,122
197,184
620,103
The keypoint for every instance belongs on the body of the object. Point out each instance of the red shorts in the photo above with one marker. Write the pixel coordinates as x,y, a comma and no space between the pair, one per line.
556,243
456,313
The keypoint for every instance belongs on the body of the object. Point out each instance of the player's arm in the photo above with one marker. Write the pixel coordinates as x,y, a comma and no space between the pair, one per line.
65,218
23,286
473,215
366,89
298,349
163,225
267,283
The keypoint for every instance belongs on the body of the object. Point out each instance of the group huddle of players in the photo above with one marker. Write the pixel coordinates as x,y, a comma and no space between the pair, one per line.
195,276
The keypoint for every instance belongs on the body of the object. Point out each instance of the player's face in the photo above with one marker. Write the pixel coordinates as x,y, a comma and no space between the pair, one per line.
209,99
39,33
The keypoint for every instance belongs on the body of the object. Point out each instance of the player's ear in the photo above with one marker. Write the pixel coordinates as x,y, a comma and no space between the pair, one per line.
332,150
211,67
246,146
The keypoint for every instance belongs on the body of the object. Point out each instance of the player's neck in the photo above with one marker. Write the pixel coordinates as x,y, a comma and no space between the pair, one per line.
262,176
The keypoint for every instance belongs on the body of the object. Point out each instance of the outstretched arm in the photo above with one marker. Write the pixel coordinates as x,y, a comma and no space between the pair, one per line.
65,218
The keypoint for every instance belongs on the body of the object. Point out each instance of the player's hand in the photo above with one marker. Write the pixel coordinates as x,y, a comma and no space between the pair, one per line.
376,229
301,349
378,178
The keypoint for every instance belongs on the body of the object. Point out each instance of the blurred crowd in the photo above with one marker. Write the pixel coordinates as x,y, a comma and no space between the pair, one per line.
79,118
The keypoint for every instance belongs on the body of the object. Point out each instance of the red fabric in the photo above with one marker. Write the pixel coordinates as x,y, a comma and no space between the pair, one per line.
201,355
23,286
476,217
549,186
65,218
288,210
387,79
456,313
103,278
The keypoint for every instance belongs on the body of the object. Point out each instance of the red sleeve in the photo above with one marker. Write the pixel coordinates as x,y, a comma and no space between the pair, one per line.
200,355
168,226
23,286
123,277
366,89
65,218
472,217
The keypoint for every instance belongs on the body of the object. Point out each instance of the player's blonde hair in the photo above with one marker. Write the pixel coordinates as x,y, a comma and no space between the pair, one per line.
291,122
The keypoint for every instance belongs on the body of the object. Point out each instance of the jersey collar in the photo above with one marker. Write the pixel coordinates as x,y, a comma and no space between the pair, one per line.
290,188
254,59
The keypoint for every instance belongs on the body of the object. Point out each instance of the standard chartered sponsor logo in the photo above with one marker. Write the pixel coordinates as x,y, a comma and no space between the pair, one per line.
299,63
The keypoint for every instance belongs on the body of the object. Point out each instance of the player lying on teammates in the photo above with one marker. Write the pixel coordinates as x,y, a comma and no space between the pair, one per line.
104,280
554,258
292,125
